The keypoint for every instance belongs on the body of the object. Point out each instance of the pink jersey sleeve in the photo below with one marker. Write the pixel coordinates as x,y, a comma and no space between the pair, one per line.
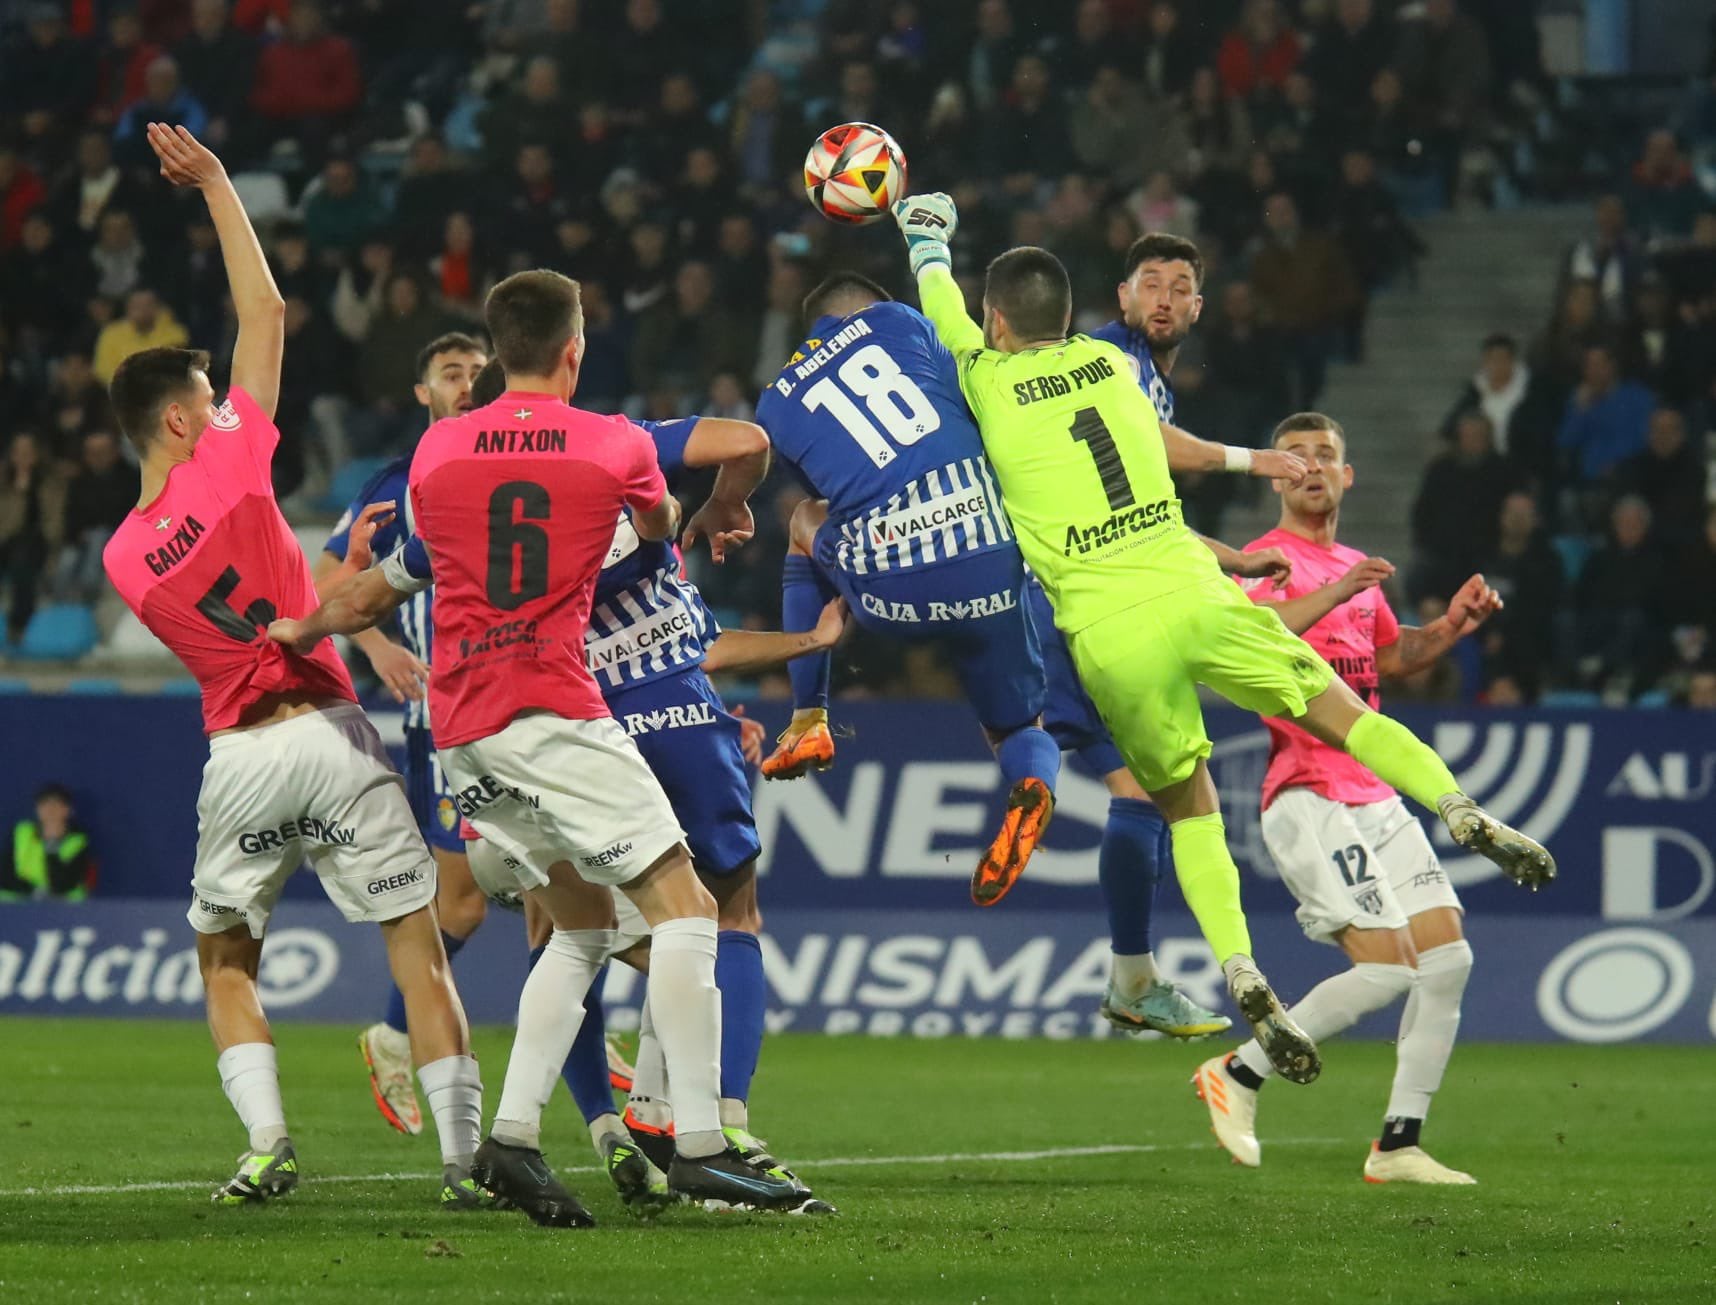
240,441
644,486
1387,624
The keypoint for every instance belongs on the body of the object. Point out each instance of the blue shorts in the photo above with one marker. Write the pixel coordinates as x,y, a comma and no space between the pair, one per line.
692,745
1069,715
431,797
973,608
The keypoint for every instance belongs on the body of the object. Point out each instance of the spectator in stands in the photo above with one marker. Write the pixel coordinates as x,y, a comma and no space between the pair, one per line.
119,257
1664,195
49,77
1701,689
218,63
1306,289
94,187
1028,142
781,326
1457,511
1247,366
308,82
1668,475
644,45
1367,222
147,324
684,341
1116,132
1444,63
531,210
1217,128
1522,410
21,190
1170,57
1693,597
430,191
1525,569
1609,258
43,283
165,99
32,523
49,856
1622,604
1158,205
100,494
763,133
994,50
602,376
1558,355
76,404
1258,51
1351,47
121,66
1606,418
1439,682
535,112
388,354
341,209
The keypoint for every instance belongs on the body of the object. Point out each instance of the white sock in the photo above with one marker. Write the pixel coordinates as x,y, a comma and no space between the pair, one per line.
1338,1003
685,1006
1132,975
601,1126
649,1102
550,1009
250,1077
455,1091
1427,1028
734,1113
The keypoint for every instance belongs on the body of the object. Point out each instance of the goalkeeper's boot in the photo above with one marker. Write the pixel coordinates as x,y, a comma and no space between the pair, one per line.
1233,1111
1161,1008
387,1052
460,1192
1411,1164
725,1181
654,1140
520,1176
805,744
261,1176
619,1068
755,1152
642,1188
1029,807
1289,1048
1523,860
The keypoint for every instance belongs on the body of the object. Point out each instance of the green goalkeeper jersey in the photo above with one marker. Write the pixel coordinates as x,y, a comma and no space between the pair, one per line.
1078,452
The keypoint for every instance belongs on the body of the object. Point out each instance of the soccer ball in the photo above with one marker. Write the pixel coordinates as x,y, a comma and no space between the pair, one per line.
854,173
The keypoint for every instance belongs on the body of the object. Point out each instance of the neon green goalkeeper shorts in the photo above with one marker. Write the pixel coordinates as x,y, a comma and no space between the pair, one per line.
1142,667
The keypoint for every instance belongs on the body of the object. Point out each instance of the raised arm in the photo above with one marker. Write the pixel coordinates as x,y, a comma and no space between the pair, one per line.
1420,645
356,605
261,311
1186,452
1301,613
740,452
928,223
746,652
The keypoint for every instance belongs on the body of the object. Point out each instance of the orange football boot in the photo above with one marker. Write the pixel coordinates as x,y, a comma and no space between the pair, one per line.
805,744
1029,807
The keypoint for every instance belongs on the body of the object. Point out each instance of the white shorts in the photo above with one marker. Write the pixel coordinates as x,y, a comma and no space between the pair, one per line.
1368,866
547,789
498,874
316,788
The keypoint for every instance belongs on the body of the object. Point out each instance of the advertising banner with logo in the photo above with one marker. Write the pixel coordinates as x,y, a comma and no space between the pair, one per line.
960,973
1626,800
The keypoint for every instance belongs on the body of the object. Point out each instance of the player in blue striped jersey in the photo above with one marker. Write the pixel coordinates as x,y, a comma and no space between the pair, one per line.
906,523
446,368
1160,299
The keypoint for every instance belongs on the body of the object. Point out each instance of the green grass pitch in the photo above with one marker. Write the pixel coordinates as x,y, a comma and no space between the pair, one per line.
957,1167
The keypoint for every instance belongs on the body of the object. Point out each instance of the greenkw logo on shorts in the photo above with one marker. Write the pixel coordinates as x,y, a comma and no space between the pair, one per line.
1133,521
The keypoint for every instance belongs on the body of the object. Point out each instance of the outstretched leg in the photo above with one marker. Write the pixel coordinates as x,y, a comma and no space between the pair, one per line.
806,742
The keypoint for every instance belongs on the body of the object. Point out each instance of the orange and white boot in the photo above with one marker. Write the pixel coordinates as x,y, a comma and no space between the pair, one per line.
805,744
1233,1111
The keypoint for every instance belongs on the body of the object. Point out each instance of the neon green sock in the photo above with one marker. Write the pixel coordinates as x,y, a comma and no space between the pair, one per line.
1209,881
1400,759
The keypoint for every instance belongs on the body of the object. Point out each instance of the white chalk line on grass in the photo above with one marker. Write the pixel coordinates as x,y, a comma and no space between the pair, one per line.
809,1166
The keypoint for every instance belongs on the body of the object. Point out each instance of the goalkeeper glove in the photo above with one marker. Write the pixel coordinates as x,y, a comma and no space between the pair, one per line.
928,223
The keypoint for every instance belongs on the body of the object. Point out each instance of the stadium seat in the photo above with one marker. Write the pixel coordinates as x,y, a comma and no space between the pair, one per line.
181,688
59,632
131,641
1653,700
1570,700
94,688
12,686
264,196
348,480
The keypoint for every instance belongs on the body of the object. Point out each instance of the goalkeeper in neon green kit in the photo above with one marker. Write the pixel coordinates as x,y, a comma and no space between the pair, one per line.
1078,453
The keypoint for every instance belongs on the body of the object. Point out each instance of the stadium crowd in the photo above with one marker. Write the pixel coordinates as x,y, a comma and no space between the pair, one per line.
401,155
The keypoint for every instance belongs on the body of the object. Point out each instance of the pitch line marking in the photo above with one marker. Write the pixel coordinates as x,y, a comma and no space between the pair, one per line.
834,1162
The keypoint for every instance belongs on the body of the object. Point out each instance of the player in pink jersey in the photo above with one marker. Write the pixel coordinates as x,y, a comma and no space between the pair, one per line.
296,772
513,507
1365,875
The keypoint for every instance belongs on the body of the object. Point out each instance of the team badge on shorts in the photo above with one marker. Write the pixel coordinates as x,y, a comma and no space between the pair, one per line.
447,813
